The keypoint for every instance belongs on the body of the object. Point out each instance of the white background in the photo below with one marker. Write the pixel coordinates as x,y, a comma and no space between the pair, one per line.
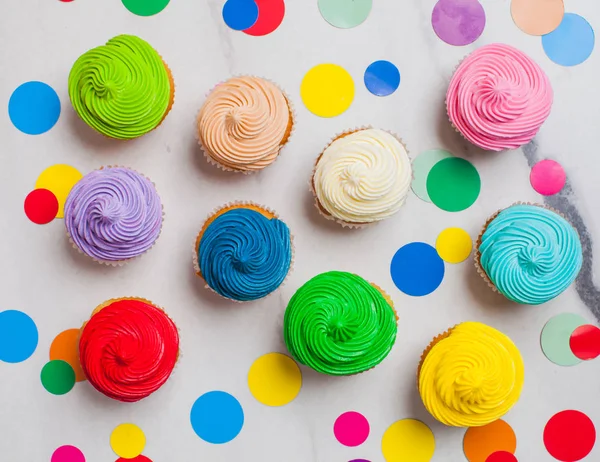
43,276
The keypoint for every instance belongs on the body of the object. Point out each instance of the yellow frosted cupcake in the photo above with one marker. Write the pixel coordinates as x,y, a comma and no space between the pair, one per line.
470,376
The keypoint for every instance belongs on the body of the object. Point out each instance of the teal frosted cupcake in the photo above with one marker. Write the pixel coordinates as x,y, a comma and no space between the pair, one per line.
340,324
528,253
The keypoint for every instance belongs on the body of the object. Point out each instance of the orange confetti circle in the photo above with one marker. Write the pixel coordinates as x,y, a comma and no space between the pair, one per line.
66,348
481,442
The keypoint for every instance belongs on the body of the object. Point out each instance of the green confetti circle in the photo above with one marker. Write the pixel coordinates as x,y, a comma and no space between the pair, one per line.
345,14
145,7
58,377
453,184
556,336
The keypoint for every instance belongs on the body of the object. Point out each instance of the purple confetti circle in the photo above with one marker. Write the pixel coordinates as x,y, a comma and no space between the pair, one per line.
458,22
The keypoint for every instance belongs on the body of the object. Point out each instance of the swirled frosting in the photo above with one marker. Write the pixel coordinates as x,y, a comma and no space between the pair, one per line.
471,377
530,254
122,89
243,255
244,123
128,349
113,214
363,177
498,98
339,324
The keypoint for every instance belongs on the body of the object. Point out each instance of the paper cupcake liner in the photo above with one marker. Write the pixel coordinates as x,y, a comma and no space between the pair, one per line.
121,262
234,205
288,135
324,213
429,347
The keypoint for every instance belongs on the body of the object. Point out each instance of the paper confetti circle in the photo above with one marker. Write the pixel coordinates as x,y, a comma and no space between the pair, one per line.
453,184
585,342
65,347
556,336
327,90
34,108
127,440
458,22
408,440
270,17
67,454
501,456
569,436
145,7
421,167
217,417
480,442
58,377
41,206
274,379
240,14
547,177
59,179
417,269
537,17
454,245
345,14
18,336
139,458
382,78
571,43
351,429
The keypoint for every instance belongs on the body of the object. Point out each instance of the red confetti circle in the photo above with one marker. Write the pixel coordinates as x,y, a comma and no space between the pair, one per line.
139,458
569,436
41,206
270,16
585,342
501,456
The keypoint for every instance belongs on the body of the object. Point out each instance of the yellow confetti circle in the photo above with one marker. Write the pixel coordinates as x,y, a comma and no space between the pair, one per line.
128,441
327,90
59,179
274,379
454,245
408,440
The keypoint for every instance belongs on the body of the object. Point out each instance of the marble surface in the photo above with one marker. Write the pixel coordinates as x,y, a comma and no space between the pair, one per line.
42,275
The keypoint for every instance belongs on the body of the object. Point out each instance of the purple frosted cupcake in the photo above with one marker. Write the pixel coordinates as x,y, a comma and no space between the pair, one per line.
113,215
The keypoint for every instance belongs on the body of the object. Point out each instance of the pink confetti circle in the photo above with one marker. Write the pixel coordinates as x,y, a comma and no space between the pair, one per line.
67,454
547,177
351,429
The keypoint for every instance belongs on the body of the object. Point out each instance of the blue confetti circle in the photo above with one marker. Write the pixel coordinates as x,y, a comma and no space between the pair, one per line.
18,336
571,43
382,78
417,269
217,417
240,14
34,108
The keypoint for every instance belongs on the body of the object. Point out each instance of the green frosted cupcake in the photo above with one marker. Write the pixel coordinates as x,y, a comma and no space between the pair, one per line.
122,89
339,324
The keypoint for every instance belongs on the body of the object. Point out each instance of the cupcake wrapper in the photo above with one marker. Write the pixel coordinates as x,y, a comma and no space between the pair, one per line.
318,205
212,161
215,211
121,262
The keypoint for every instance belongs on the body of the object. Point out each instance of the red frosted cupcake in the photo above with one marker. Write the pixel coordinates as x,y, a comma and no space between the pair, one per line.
128,348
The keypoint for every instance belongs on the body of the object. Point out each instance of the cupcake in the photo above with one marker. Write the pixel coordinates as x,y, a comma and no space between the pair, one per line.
243,252
362,176
128,348
122,89
470,376
339,324
498,98
244,123
113,215
528,253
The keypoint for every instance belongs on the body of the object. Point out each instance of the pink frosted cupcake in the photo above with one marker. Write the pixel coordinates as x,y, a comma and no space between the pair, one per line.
498,98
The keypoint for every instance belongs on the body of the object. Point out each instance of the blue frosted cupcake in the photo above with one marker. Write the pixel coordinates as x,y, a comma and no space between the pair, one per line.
243,252
528,253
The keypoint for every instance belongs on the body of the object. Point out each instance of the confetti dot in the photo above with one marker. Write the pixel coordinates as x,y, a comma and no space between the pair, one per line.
58,377
537,17
569,436
67,454
454,245
453,184
139,458
59,179
65,347
360,460
34,108
274,379
41,206
217,417
421,166
351,429
127,440
270,17
408,440
240,14
417,269
480,442
547,177
18,336
382,78
458,22
345,14
585,342
556,336
327,90
145,7
571,43
501,456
